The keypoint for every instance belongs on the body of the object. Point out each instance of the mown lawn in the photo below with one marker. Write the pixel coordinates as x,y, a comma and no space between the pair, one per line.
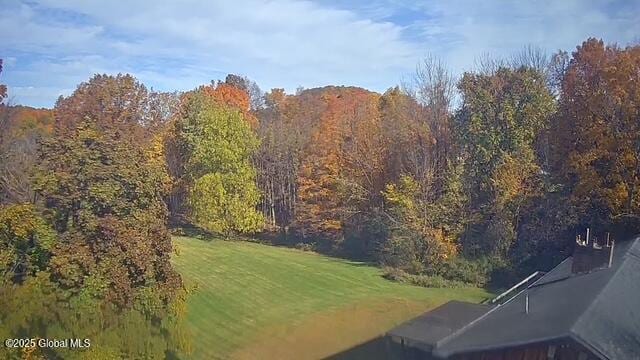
258,301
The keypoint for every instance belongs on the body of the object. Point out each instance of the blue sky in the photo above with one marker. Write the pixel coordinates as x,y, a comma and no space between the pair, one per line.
49,46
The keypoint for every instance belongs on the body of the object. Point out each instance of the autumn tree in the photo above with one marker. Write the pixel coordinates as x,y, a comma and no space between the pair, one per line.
423,197
109,213
597,142
235,96
318,213
119,103
416,244
417,131
335,147
287,125
407,139
26,243
124,106
217,142
95,252
256,97
278,158
501,117
362,178
433,87
20,133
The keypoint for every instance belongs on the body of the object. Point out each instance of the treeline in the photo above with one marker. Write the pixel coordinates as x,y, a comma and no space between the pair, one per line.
487,177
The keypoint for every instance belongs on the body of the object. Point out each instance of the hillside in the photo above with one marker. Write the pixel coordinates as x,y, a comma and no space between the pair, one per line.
254,299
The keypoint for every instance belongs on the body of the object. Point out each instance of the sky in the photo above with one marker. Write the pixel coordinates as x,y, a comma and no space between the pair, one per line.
50,46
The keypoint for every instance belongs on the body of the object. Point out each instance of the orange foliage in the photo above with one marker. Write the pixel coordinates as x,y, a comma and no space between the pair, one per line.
334,145
598,143
116,102
24,120
234,97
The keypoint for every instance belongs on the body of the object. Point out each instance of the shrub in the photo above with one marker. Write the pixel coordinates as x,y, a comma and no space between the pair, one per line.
306,246
475,272
431,281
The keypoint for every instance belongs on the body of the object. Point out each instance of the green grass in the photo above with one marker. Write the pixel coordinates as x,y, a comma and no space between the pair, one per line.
257,299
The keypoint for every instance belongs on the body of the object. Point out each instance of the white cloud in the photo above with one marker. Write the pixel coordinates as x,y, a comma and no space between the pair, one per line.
21,31
176,45
502,27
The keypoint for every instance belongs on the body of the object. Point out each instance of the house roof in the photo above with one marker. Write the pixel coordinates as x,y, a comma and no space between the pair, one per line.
428,329
599,309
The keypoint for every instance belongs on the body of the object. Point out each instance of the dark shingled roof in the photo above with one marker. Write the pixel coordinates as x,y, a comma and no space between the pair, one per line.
599,309
427,330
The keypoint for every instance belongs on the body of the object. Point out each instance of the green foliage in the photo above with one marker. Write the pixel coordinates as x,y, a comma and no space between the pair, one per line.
474,272
417,243
222,202
39,308
218,144
502,118
213,136
429,281
26,241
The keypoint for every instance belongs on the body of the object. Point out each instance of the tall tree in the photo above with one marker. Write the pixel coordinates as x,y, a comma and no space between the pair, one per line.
406,137
218,142
597,142
433,87
287,126
278,158
501,117
93,257
106,206
318,214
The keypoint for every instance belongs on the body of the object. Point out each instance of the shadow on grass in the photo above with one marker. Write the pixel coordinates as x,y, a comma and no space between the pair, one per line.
292,240
193,231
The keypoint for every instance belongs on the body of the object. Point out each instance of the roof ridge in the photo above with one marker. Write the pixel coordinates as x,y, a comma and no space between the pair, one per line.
475,321
616,272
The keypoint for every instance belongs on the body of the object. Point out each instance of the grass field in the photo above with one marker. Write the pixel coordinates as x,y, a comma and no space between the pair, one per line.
257,301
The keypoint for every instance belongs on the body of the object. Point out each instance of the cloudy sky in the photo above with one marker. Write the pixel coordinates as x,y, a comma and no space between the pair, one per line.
49,46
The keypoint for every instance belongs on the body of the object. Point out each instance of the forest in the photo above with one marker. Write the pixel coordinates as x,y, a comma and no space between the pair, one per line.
442,181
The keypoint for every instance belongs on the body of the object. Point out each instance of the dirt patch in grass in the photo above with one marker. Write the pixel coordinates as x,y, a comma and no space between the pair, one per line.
326,333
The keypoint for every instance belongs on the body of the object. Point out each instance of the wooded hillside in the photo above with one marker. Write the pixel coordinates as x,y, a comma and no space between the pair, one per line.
444,181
